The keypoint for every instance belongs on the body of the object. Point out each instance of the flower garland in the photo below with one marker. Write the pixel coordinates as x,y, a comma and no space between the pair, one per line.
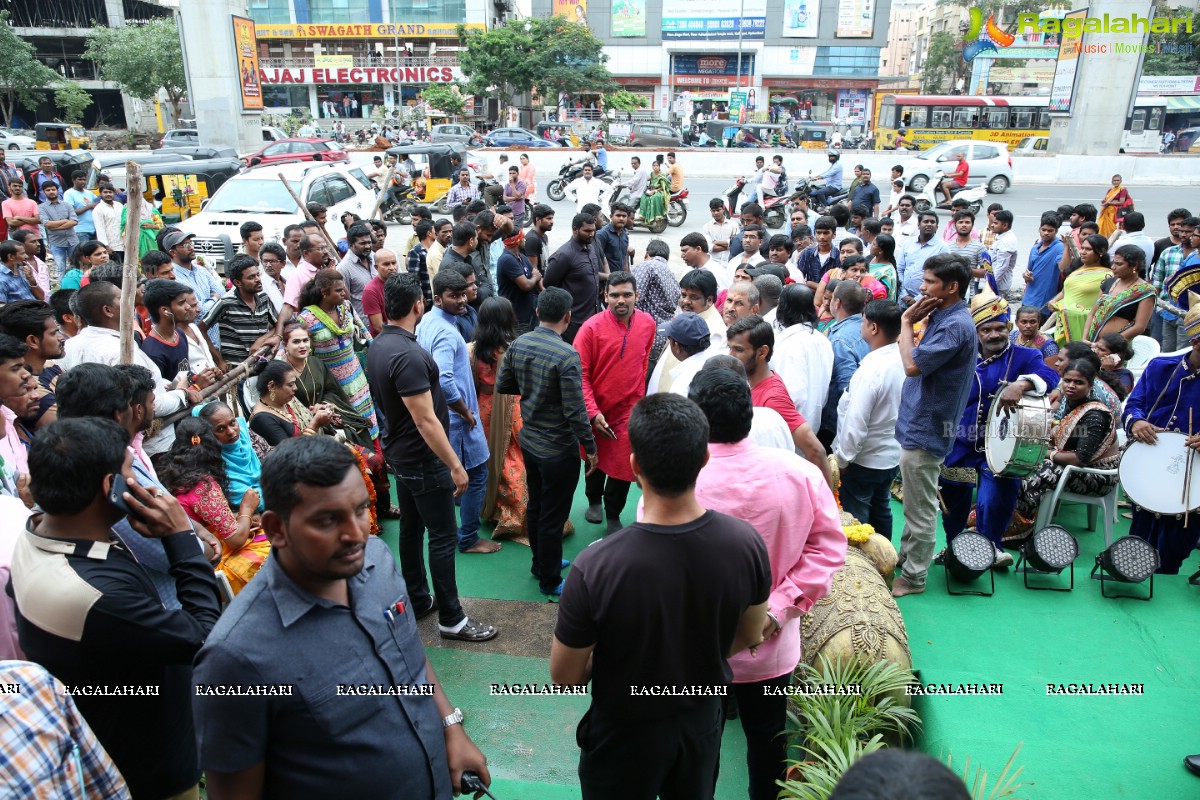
858,534
366,474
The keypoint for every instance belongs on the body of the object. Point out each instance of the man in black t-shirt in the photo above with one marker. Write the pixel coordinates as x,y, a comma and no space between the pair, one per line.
652,613
537,241
429,474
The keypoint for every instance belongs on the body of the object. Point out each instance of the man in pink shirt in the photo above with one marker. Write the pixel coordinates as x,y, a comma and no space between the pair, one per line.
789,503
20,211
313,258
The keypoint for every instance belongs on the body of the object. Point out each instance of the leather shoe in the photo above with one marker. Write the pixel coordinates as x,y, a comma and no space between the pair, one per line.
1193,764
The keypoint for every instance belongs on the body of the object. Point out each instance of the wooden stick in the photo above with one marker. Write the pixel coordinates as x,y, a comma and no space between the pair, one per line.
387,183
1187,476
224,382
129,274
308,216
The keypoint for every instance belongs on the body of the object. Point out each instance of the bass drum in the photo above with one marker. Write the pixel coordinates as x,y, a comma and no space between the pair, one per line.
1017,442
1152,475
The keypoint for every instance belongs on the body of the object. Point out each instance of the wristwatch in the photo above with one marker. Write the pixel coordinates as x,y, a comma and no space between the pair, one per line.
454,719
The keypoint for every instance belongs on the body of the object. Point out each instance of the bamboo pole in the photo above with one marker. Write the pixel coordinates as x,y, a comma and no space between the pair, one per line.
129,274
308,216
238,372
387,182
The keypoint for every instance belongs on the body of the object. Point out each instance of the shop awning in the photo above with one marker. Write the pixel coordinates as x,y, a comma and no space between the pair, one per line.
1184,103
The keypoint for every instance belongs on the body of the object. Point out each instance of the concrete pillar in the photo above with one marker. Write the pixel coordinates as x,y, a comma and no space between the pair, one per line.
1103,85
212,75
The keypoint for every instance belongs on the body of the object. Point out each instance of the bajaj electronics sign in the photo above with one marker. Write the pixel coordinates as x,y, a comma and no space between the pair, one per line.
361,76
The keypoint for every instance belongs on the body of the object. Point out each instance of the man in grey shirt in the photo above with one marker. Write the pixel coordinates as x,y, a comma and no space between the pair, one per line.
637,183
356,266
59,219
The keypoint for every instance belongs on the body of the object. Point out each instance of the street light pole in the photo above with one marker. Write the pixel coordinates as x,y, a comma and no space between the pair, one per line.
741,20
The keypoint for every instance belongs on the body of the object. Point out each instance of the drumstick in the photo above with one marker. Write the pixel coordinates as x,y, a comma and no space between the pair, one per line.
1187,476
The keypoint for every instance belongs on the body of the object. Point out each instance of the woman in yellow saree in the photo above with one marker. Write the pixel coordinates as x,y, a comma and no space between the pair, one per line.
1081,289
1116,204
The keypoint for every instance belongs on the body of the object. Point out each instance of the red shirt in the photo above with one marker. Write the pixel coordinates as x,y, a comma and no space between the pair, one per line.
961,172
773,394
372,302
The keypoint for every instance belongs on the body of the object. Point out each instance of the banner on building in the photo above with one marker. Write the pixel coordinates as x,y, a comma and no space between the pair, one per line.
245,48
628,18
851,106
366,30
714,19
333,62
572,9
711,70
856,19
1062,90
360,76
801,18
1169,84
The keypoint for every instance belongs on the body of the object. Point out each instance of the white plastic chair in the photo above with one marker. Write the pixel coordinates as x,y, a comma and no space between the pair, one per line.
1144,349
1049,506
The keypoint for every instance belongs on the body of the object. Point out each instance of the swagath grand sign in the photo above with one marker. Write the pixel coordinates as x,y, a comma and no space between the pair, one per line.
359,76
369,30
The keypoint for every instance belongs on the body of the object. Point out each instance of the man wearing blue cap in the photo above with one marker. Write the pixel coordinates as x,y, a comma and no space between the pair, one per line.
691,344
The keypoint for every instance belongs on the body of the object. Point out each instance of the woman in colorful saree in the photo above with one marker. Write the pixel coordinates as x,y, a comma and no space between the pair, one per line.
1081,289
654,202
1127,300
1116,204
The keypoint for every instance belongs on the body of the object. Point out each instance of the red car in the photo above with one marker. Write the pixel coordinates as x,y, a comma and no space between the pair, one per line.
299,149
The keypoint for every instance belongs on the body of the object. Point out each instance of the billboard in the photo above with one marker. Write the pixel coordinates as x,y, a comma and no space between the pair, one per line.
245,48
628,18
714,19
571,9
1062,90
856,19
801,18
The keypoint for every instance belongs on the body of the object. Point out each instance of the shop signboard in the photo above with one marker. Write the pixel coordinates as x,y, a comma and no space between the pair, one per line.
713,19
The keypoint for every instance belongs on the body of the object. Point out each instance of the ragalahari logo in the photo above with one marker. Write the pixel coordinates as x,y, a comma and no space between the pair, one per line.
983,37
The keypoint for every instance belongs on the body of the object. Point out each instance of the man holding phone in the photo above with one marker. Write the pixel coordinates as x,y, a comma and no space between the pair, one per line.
82,600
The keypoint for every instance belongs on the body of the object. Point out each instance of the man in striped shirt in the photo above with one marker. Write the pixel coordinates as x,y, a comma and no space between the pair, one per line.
245,317
546,372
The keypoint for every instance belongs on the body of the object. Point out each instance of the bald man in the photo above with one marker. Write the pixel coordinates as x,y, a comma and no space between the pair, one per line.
386,265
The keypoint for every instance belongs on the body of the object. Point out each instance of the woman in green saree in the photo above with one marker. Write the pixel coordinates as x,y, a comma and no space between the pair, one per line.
151,224
1127,301
658,192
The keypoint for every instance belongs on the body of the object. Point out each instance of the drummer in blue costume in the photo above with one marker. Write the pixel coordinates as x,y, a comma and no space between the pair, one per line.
1167,398
1000,362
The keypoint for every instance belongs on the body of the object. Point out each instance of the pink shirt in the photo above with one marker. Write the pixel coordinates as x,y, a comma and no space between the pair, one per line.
25,207
296,282
13,515
12,450
788,502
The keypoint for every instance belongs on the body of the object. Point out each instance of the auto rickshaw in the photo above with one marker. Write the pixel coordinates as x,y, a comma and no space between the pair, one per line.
444,159
66,162
61,136
181,186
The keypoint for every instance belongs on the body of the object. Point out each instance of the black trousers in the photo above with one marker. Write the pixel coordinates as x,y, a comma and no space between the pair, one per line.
763,718
551,484
614,491
674,758
425,495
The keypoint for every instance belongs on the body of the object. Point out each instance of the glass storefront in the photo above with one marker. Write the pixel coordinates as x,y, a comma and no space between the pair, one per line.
334,11
348,102
429,10
285,96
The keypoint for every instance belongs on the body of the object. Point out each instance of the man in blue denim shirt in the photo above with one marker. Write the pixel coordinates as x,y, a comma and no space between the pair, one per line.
429,474
911,259
939,374
437,334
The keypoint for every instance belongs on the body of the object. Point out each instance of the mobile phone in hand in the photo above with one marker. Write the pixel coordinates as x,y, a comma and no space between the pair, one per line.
116,496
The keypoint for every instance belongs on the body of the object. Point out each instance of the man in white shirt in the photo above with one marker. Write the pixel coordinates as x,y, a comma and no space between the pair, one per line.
752,239
906,223
587,189
719,231
1003,256
107,218
690,343
693,249
1135,233
866,449
637,182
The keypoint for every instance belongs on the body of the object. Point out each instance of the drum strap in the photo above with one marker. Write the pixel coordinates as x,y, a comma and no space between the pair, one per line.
1158,399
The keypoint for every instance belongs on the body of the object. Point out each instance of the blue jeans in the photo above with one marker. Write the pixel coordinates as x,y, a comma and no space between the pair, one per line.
425,495
866,494
470,505
62,258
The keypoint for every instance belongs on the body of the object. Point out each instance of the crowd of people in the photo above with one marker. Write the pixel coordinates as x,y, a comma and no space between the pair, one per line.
178,518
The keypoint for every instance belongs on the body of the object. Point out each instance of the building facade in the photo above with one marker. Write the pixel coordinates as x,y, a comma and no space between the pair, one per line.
343,59
820,54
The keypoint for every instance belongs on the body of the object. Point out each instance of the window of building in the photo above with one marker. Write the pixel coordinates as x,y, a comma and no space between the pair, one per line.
847,61
285,96
270,11
331,11
428,10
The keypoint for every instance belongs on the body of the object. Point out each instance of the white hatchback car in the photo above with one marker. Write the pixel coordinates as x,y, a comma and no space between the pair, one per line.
258,195
989,163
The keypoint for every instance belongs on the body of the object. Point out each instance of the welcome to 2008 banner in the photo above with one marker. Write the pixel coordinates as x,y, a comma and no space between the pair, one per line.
714,19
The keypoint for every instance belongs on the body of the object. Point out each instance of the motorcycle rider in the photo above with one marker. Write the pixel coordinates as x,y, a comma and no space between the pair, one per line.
637,182
766,180
831,177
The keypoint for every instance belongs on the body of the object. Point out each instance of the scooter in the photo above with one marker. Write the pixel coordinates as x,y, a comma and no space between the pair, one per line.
774,206
810,185
931,196
401,209
557,189
677,208
620,194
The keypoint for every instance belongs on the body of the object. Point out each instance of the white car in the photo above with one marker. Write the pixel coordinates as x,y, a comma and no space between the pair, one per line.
259,195
989,164
11,140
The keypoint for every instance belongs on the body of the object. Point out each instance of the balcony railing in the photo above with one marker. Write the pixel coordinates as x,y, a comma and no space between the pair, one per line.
70,67
308,62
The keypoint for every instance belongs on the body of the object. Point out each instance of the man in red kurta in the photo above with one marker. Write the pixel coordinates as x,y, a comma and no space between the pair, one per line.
614,347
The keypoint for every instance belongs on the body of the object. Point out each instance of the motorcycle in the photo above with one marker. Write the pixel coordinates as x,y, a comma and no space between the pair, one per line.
360,136
557,190
931,196
809,187
677,208
774,206
399,210
620,194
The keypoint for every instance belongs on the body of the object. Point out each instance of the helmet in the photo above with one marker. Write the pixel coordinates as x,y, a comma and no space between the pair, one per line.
833,152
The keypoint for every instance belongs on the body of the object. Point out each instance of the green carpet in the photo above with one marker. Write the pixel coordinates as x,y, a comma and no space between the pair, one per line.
1121,746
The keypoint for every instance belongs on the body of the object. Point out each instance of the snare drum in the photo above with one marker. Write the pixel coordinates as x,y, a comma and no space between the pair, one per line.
1017,443
1152,474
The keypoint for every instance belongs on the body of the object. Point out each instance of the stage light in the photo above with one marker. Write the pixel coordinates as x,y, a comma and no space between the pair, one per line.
1049,552
968,556
1128,560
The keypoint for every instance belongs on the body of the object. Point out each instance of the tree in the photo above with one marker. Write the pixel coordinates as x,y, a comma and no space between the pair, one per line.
942,63
142,59
444,97
22,77
622,100
553,56
71,101
1179,53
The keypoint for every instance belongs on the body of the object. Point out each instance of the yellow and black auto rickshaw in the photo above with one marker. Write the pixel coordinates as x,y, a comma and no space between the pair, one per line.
177,188
444,160
61,136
